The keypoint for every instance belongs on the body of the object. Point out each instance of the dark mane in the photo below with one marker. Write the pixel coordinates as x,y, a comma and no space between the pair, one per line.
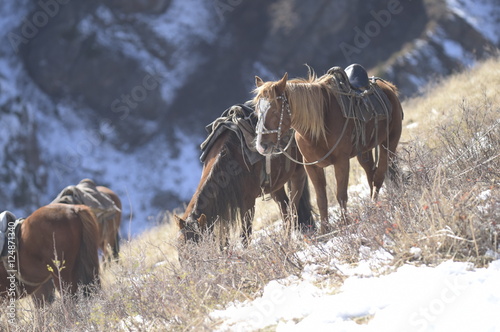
220,195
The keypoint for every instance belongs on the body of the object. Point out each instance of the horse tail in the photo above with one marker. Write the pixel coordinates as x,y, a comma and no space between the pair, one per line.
394,89
88,258
304,210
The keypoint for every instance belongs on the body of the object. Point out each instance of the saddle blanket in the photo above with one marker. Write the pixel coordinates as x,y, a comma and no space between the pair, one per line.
86,193
240,119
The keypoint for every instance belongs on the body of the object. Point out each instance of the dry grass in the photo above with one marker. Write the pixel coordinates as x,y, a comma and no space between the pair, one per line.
477,88
446,206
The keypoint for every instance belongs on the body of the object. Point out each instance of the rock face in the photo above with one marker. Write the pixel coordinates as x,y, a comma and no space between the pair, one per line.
130,74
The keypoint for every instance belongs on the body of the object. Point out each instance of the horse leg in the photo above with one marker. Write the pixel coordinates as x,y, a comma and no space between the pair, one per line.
65,279
317,176
111,246
300,204
44,294
247,221
283,202
342,177
366,161
114,238
385,159
70,279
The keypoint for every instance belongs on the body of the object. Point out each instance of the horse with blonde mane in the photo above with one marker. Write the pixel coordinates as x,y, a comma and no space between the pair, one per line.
312,107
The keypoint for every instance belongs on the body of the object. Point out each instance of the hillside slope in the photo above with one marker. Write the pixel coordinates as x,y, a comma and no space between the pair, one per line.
120,91
394,267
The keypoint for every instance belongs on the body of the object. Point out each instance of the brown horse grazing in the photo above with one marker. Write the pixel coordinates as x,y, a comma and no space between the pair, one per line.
108,230
324,136
230,184
58,242
105,204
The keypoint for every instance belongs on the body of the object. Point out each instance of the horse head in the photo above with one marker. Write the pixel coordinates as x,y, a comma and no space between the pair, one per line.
191,229
273,114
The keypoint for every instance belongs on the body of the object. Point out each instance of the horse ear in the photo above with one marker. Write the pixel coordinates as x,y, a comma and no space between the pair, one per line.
202,221
258,81
281,84
180,222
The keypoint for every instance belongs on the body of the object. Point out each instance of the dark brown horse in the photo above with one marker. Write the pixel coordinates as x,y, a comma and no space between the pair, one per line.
108,230
323,134
105,204
58,242
229,186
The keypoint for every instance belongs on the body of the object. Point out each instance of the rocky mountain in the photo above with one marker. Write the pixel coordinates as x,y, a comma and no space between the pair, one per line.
120,90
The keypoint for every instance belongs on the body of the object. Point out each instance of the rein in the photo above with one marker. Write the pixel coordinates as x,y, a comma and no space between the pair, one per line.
322,158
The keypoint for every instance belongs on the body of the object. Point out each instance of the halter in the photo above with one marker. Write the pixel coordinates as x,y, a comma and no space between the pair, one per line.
190,227
263,105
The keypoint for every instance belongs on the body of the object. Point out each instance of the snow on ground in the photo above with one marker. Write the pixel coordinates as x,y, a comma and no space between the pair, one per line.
452,296
374,296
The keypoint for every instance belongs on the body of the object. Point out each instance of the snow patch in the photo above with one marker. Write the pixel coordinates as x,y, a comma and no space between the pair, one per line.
450,297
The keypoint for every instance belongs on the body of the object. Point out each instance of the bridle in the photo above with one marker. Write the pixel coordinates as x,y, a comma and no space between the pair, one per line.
262,107
191,227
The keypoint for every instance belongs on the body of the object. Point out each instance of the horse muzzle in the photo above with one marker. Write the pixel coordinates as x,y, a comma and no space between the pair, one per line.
267,148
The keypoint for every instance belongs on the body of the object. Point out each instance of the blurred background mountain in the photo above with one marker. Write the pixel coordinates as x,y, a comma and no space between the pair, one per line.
120,90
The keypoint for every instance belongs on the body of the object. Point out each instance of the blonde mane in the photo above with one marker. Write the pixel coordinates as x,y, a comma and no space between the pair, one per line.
307,99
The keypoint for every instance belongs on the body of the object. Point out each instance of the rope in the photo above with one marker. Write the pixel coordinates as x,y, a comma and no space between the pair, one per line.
325,156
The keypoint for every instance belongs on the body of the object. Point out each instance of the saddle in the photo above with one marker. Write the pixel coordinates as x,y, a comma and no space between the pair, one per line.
240,119
86,193
357,77
7,218
360,97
